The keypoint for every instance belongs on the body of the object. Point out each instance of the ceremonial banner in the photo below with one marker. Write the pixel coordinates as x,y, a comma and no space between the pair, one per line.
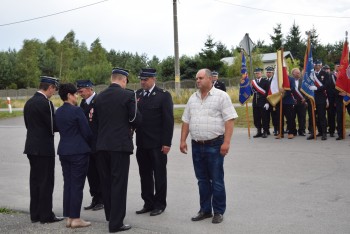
245,90
343,78
274,94
308,74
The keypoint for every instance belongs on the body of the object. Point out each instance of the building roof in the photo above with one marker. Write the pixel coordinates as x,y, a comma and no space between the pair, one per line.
266,58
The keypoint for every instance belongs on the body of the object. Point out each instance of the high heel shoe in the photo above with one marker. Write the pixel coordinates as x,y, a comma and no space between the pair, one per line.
79,223
69,222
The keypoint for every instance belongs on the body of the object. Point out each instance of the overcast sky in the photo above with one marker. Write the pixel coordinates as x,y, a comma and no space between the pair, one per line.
147,26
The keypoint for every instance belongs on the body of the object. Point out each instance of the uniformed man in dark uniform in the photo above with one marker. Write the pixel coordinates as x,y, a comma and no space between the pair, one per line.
39,114
260,88
153,140
331,95
86,91
271,112
116,116
321,101
217,83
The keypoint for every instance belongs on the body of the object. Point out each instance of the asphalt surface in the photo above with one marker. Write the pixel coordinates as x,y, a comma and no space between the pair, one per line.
272,186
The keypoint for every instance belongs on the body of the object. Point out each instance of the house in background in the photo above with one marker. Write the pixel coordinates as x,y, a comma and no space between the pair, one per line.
268,59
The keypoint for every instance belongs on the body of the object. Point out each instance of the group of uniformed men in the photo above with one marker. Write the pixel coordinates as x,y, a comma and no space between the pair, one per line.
328,105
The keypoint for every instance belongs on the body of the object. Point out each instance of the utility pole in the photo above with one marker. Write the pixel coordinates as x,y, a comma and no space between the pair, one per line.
176,48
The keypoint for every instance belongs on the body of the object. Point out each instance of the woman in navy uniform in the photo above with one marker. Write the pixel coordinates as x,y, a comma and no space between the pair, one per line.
39,114
153,140
73,149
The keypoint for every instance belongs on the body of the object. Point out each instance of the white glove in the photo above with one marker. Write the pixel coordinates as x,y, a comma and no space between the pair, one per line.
313,87
266,106
327,103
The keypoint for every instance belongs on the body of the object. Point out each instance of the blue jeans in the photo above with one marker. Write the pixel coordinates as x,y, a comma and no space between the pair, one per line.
208,166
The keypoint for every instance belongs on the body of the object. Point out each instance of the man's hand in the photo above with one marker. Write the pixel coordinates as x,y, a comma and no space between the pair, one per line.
165,149
183,147
224,149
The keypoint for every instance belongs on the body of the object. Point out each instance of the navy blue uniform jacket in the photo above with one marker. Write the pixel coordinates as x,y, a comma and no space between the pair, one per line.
157,119
115,115
39,120
75,133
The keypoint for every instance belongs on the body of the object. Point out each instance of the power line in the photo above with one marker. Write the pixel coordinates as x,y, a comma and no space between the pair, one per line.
53,14
284,13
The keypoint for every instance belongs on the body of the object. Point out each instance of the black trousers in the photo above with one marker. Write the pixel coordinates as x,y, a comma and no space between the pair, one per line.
272,114
41,183
300,113
339,109
260,118
331,116
288,112
320,117
94,179
114,171
153,173
74,169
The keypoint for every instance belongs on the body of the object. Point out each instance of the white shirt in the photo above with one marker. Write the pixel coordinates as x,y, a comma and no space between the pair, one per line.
88,100
207,117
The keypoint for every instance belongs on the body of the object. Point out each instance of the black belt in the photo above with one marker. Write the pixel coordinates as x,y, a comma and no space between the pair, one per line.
206,142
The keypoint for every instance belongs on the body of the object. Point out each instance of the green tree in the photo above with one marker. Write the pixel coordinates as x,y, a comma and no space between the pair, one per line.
277,37
27,66
209,57
294,43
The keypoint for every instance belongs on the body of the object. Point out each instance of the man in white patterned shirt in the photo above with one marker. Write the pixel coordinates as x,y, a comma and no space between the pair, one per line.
209,118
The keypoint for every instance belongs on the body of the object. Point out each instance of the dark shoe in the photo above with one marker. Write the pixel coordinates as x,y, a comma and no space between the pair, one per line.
264,135
144,210
156,212
218,218
324,137
98,206
319,134
92,205
201,215
125,227
53,220
268,133
259,134
35,220
311,137
302,134
338,139
331,134
275,133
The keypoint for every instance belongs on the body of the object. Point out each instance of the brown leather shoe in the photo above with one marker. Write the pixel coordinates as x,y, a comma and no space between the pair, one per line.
201,215
79,223
290,136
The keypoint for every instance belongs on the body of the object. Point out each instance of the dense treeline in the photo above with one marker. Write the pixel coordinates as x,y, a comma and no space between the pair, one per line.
71,59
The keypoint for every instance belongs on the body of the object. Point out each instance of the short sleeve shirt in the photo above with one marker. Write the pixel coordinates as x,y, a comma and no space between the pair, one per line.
206,117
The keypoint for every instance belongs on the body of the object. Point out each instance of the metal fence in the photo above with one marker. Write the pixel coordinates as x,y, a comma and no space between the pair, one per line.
168,85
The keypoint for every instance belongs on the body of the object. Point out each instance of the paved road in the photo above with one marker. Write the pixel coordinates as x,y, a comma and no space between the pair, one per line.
273,186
